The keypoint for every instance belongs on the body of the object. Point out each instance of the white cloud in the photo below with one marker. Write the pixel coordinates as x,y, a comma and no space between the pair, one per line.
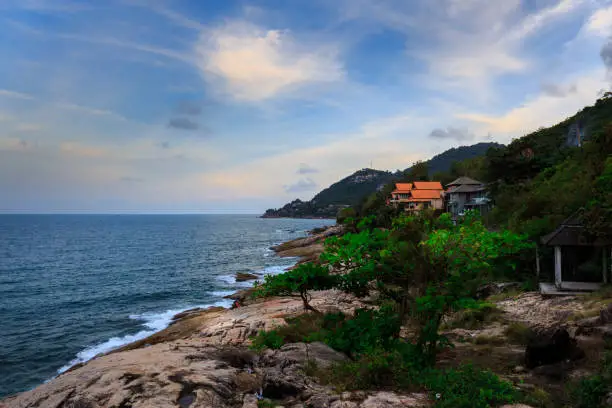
252,64
383,142
600,22
88,110
16,95
542,110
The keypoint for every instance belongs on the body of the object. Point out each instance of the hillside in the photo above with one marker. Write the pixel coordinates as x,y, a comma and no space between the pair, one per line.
542,178
351,190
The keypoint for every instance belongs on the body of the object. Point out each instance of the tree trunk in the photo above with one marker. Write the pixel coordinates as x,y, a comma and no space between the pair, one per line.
307,306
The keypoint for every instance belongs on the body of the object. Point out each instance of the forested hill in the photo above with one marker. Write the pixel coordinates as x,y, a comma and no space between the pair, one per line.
351,190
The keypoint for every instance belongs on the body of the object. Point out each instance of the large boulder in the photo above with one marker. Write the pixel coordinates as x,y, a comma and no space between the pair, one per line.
550,347
299,353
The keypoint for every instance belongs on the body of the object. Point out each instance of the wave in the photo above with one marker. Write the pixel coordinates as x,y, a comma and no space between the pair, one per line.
153,322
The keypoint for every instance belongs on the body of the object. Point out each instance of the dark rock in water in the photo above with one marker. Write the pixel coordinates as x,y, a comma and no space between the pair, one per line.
550,347
245,276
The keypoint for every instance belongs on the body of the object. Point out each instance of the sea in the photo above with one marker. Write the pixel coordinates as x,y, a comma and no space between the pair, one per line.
74,286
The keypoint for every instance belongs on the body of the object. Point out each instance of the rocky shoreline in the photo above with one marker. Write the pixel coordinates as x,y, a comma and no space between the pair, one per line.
202,359
186,364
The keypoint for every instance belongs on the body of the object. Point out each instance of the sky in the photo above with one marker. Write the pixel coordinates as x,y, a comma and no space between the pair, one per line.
238,106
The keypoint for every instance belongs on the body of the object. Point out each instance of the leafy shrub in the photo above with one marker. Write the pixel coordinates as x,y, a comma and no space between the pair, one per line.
468,387
365,331
266,403
590,392
593,390
267,339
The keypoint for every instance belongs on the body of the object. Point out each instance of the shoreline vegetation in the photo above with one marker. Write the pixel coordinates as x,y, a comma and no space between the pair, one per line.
388,309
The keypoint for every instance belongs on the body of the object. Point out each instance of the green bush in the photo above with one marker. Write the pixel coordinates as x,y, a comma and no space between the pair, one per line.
267,339
590,392
593,390
468,387
365,331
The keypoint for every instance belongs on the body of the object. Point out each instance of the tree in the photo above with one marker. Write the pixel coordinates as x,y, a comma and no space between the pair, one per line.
418,172
301,281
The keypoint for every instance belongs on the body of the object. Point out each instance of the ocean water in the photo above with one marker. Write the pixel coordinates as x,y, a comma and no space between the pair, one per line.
73,286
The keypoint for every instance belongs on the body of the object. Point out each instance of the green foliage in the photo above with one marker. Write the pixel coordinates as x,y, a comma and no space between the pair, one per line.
301,280
592,391
463,387
346,215
468,387
265,403
366,331
271,339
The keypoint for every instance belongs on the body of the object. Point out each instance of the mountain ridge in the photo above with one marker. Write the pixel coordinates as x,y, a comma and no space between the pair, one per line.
350,190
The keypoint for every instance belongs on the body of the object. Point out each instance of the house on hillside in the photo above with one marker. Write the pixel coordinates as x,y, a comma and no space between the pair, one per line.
418,195
465,194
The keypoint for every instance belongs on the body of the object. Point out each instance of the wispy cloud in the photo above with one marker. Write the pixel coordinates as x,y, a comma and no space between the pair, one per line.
183,123
306,169
88,110
452,133
192,108
251,63
16,95
302,185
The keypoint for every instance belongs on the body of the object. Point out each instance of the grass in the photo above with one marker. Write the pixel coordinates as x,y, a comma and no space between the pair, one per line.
266,403
472,319
509,294
518,333
539,398
491,340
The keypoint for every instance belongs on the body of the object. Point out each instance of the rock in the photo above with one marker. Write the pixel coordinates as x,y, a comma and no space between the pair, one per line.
558,371
519,369
299,353
319,401
551,346
344,404
249,401
605,315
490,289
392,400
586,326
244,276
516,406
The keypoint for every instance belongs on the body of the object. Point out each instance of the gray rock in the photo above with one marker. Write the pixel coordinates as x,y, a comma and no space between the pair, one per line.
299,353
605,315
319,401
249,401
393,400
344,404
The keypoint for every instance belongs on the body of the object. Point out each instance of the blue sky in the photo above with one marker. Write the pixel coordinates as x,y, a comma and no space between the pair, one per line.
237,106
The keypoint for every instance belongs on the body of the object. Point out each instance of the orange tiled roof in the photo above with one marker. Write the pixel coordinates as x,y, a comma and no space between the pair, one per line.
428,185
402,187
426,194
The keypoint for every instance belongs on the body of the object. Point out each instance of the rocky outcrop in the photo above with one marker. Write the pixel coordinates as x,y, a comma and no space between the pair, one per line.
308,249
550,347
245,276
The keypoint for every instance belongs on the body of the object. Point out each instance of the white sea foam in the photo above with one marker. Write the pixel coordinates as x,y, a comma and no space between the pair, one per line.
153,322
